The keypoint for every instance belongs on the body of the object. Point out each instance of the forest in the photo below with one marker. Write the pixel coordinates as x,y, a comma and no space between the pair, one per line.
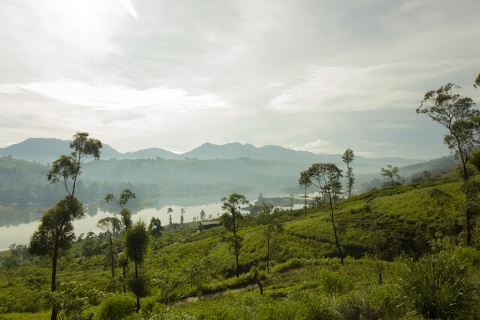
400,251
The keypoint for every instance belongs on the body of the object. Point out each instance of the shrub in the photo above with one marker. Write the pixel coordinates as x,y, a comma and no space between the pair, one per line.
437,286
117,307
335,281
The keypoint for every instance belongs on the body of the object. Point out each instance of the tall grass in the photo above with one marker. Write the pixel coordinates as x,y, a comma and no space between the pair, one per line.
437,286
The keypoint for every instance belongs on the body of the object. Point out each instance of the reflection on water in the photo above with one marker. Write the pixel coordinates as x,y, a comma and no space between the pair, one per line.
19,232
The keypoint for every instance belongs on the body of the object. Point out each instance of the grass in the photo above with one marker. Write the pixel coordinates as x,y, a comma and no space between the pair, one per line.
306,276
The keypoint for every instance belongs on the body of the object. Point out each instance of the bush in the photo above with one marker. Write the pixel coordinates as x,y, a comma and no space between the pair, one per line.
335,281
117,307
437,286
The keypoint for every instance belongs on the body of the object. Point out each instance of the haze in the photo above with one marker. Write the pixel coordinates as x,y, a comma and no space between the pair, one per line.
320,76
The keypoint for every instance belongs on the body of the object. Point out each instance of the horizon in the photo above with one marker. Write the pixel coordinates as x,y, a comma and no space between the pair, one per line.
305,75
229,143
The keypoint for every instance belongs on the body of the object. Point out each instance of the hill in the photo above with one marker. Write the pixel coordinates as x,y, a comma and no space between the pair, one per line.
192,273
47,150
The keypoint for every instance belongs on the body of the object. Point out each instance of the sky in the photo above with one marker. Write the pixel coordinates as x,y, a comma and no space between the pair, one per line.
314,75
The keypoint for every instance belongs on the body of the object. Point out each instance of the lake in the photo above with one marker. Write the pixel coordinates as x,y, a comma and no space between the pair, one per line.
21,233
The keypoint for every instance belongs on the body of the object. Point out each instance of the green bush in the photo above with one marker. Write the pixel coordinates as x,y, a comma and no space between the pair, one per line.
437,286
117,307
335,281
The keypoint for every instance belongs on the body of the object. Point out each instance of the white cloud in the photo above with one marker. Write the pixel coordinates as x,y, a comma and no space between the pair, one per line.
391,125
345,88
318,146
111,97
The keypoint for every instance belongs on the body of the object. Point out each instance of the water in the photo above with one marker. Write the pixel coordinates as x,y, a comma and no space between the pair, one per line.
21,233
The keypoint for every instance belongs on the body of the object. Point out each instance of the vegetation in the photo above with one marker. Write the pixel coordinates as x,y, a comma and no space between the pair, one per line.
401,252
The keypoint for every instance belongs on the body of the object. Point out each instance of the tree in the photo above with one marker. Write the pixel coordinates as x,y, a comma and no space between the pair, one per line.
230,221
326,177
270,218
203,215
169,211
462,122
112,226
304,182
155,227
123,199
55,232
136,241
182,218
348,157
390,172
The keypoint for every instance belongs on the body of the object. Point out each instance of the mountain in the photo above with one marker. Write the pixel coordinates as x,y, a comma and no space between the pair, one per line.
151,153
47,150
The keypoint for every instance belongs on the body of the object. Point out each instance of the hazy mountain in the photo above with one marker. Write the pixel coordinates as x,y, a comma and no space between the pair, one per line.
151,153
47,150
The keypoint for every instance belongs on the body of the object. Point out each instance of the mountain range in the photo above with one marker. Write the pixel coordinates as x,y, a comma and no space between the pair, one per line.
47,150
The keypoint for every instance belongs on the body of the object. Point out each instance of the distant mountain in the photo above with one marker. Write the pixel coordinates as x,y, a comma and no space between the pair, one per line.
151,153
47,150
237,150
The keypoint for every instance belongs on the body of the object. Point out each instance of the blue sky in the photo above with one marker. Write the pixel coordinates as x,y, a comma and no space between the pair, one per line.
321,76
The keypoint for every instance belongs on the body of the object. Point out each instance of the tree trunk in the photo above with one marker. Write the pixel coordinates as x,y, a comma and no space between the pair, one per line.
340,252
113,262
54,279
305,206
136,291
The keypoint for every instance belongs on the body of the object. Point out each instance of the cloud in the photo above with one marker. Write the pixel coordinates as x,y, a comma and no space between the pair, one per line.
346,88
391,125
318,146
114,97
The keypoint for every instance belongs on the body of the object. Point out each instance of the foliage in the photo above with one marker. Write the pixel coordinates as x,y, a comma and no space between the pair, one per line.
230,220
391,172
437,286
116,307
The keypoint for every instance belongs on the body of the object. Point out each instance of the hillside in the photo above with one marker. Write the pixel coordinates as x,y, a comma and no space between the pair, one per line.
192,274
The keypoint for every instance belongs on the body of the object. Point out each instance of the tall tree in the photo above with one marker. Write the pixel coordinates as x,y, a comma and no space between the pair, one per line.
230,221
170,211
304,182
462,122
136,241
270,218
348,158
326,177
56,226
182,218
112,226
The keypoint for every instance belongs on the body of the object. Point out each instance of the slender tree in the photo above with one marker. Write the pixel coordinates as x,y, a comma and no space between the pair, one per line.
390,172
326,177
182,218
56,227
270,218
136,241
112,226
462,121
231,206
170,211
304,182
348,157
123,199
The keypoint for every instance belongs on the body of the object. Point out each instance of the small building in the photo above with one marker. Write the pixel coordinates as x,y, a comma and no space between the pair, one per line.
204,225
